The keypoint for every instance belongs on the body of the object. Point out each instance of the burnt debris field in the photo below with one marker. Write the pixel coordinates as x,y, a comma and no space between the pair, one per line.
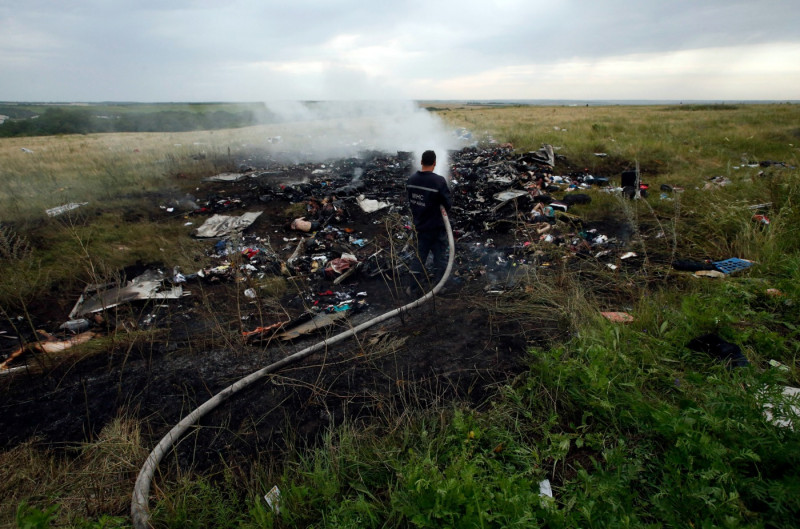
345,264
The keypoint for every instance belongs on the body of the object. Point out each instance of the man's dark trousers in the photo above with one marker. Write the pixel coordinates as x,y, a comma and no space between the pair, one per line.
428,241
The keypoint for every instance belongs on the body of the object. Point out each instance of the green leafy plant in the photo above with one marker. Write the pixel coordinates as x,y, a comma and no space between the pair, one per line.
30,517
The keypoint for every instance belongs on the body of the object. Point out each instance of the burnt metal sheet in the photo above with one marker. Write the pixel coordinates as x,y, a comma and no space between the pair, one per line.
149,285
221,225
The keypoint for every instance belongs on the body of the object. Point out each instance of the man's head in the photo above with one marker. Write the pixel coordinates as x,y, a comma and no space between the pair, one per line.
428,159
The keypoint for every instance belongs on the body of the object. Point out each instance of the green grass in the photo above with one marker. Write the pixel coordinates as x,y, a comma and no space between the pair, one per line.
632,429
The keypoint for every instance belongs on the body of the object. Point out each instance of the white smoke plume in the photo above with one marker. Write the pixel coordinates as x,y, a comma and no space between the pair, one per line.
332,129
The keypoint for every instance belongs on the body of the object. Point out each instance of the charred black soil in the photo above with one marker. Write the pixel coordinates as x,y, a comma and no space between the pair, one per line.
158,359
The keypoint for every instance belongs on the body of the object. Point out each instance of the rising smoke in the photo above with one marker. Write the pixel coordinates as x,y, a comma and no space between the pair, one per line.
334,129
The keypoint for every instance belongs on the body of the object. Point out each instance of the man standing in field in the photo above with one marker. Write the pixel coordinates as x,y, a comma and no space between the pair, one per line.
427,191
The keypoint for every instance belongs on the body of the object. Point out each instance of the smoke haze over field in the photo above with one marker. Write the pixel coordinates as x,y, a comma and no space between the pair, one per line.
252,50
325,130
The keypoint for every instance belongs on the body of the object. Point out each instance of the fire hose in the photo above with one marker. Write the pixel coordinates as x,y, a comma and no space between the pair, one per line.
140,511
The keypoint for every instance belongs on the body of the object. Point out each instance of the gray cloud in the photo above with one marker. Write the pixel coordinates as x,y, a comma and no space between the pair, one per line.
254,50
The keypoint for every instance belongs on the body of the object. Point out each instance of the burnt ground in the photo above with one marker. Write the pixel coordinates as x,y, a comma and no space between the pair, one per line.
160,359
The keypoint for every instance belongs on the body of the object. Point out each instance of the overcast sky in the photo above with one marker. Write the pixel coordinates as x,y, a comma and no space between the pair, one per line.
264,50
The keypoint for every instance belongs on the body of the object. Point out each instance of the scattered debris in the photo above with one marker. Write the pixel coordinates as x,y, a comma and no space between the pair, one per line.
368,205
714,274
317,322
575,199
75,326
774,363
273,499
222,225
47,343
544,155
54,212
261,332
713,269
618,317
9,370
763,219
493,187
149,285
717,181
225,177
768,163
789,413
545,489
724,351
734,264
506,196
685,265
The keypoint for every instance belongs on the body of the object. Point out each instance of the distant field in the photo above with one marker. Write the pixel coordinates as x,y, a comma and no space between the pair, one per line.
701,139
29,109
34,119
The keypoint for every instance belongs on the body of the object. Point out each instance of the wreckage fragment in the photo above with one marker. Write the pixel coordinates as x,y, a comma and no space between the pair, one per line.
320,321
734,264
507,197
714,274
369,205
545,155
789,414
54,212
712,344
149,285
261,332
49,344
617,317
222,225
225,177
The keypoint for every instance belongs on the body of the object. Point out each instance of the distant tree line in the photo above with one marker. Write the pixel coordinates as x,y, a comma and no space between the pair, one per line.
84,121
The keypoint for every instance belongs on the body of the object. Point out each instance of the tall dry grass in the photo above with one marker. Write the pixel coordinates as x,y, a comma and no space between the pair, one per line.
93,479
679,143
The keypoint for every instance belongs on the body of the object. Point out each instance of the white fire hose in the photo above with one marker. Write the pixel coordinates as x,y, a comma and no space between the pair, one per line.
140,511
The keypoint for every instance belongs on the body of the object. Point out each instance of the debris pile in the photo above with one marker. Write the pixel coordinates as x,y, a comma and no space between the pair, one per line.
339,232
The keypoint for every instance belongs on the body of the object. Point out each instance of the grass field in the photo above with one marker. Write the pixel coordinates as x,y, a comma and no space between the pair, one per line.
630,427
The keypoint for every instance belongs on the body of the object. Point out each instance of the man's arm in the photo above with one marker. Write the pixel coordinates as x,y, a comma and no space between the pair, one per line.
444,192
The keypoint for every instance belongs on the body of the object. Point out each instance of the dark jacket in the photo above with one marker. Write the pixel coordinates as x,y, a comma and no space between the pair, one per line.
426,192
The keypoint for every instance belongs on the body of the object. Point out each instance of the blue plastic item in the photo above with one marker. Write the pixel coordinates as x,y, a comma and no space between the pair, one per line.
731,265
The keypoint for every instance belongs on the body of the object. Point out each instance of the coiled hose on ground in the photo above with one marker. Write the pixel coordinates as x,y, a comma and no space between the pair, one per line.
140,511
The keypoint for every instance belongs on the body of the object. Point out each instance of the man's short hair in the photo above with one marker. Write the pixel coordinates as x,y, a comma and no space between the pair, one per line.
428,158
